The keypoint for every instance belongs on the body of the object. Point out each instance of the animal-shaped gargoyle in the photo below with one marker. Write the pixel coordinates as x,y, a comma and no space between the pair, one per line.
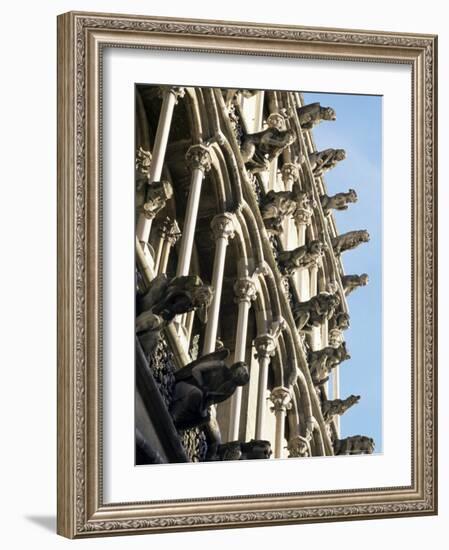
280,204
315,311
202,383
239,450
354,445
322,161
312,114
164,300
351,282
349,240
259,149
322,361
303,256
339,201
331,408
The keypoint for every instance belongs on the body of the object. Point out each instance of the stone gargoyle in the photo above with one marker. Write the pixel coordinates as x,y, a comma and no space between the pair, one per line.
349,240
312,114
240,450
322,161
340,201
331,408
280,204
354,445
303,256
315,311
202,383
351,282
340,321
259,149
169,298
322,361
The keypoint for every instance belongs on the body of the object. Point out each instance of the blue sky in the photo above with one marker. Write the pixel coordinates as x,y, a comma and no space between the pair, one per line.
358,130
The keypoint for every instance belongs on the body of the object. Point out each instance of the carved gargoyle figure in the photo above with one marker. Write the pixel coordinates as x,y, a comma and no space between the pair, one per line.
330,408
156,196
322,161
259,149
315,311
354,445
303,256
340,321
299,446
277,204
351,282
238,450
148,330
312,114
339,201
180,295
202,383
322,361
274,225
349,240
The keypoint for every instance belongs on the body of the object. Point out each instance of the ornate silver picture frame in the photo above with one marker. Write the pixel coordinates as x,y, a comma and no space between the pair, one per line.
83,510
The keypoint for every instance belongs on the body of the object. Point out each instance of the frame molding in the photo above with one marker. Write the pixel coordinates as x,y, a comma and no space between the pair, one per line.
81,37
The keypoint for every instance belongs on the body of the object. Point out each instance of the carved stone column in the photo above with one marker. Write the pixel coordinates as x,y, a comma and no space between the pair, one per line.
223,229
169,101
281,398
290,174
198,158
169,233
245,292
265,347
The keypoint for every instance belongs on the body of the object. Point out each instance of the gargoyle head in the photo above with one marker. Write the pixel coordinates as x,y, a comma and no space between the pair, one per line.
328,114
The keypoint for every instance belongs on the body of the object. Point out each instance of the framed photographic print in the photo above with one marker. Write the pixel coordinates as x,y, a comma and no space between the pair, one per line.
246,274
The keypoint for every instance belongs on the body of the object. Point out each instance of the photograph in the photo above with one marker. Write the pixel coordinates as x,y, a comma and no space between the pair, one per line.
258,294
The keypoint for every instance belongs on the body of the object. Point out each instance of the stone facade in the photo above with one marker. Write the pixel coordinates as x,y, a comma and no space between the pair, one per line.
234,218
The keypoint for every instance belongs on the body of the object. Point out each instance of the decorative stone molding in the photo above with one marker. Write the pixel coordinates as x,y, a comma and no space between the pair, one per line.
281,398
223,226
169,231
303,216
143,161
290,174
245,290
265,345
198,158
178,92
158,194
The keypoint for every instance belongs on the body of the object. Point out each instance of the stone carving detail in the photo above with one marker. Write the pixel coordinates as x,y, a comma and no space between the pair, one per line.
299,446
322,161
162,364
351,282
238,450
198,158
354,445
170,298
277,205
143,161
304,256
265,345
178,92
203,383
223,226
195,444
259,149
339,201
290,174
315,311
312,114
281,398
245,290
322,361
340,321
336,337
330,408
349,240
157,194
169,230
